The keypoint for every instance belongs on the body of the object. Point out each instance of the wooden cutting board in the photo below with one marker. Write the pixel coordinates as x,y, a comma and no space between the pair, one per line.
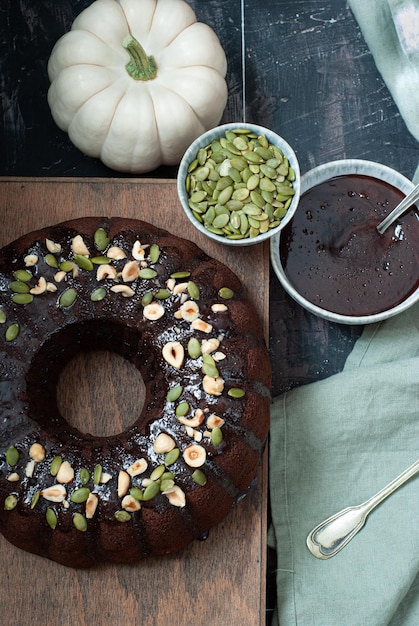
220,581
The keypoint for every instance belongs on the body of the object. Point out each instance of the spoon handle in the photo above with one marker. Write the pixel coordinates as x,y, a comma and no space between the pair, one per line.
330,536
403,206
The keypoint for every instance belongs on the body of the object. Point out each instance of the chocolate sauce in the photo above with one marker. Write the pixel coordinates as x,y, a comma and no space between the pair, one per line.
333,255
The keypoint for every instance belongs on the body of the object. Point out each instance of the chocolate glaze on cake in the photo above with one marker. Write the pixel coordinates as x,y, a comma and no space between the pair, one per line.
183,320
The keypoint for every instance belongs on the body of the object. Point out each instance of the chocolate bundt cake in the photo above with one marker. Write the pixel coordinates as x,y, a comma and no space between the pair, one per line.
183,320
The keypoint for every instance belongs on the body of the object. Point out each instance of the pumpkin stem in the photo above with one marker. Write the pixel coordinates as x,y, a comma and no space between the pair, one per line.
141,66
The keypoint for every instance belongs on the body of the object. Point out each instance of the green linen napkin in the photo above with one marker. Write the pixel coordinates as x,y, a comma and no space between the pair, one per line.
391,31
335,443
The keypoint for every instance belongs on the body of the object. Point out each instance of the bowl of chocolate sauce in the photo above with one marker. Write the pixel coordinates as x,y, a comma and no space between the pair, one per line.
330,257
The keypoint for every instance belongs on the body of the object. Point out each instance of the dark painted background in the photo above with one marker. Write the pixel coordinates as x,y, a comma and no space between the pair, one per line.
299,67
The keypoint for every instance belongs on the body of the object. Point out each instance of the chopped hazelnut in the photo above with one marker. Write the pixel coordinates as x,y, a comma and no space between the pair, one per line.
130,271
40,287
105,271
78,246
65,473
194,455
199,324
37,452
124,481
55,493
153,311
176,496
173,353
163,443
91,505
138,467
213,386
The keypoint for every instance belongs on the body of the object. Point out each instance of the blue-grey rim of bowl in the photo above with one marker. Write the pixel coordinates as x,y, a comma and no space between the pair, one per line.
206,139
319,175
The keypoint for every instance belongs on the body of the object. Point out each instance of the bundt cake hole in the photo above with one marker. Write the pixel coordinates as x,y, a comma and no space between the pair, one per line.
87,377
101,393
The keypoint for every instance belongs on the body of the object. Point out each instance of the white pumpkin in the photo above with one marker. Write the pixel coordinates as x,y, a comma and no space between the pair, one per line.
134,82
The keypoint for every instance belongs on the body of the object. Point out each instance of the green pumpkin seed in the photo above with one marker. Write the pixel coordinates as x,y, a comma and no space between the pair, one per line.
51,518
17,286
210,370
216,436
12,456
122,516
167,484
180,275
98,294
136,493
182,409
55,465
267,185
264,226
151,491
157,473
264,152
100,260
35,499
80,495
198,196
162,294
174,393
22,298
147,273
235,392
168,475
101,239
50,260
66,266
154,253
235,220
84,476
225,195
80,522
193,290
2,316
226,293
238,163
194,348
171,457
12,332
83,262
10,503
209,216
147,298
193,165
22,275
68,297
97,474
253,157
199,477
221,220
244,223
202,156
202,172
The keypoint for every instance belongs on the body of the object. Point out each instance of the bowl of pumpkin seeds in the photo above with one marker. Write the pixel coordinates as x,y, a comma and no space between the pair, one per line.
239,183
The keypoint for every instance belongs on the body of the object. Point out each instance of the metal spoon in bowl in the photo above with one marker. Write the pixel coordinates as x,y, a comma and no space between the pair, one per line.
329,537
401,208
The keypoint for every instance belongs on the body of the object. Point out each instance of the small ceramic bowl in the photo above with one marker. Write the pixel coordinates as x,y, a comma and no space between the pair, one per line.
320,175
215,134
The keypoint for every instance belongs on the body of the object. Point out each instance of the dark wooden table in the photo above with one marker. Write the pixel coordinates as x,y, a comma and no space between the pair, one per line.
299,67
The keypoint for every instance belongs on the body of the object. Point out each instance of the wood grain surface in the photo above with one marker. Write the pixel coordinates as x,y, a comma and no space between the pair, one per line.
220,581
